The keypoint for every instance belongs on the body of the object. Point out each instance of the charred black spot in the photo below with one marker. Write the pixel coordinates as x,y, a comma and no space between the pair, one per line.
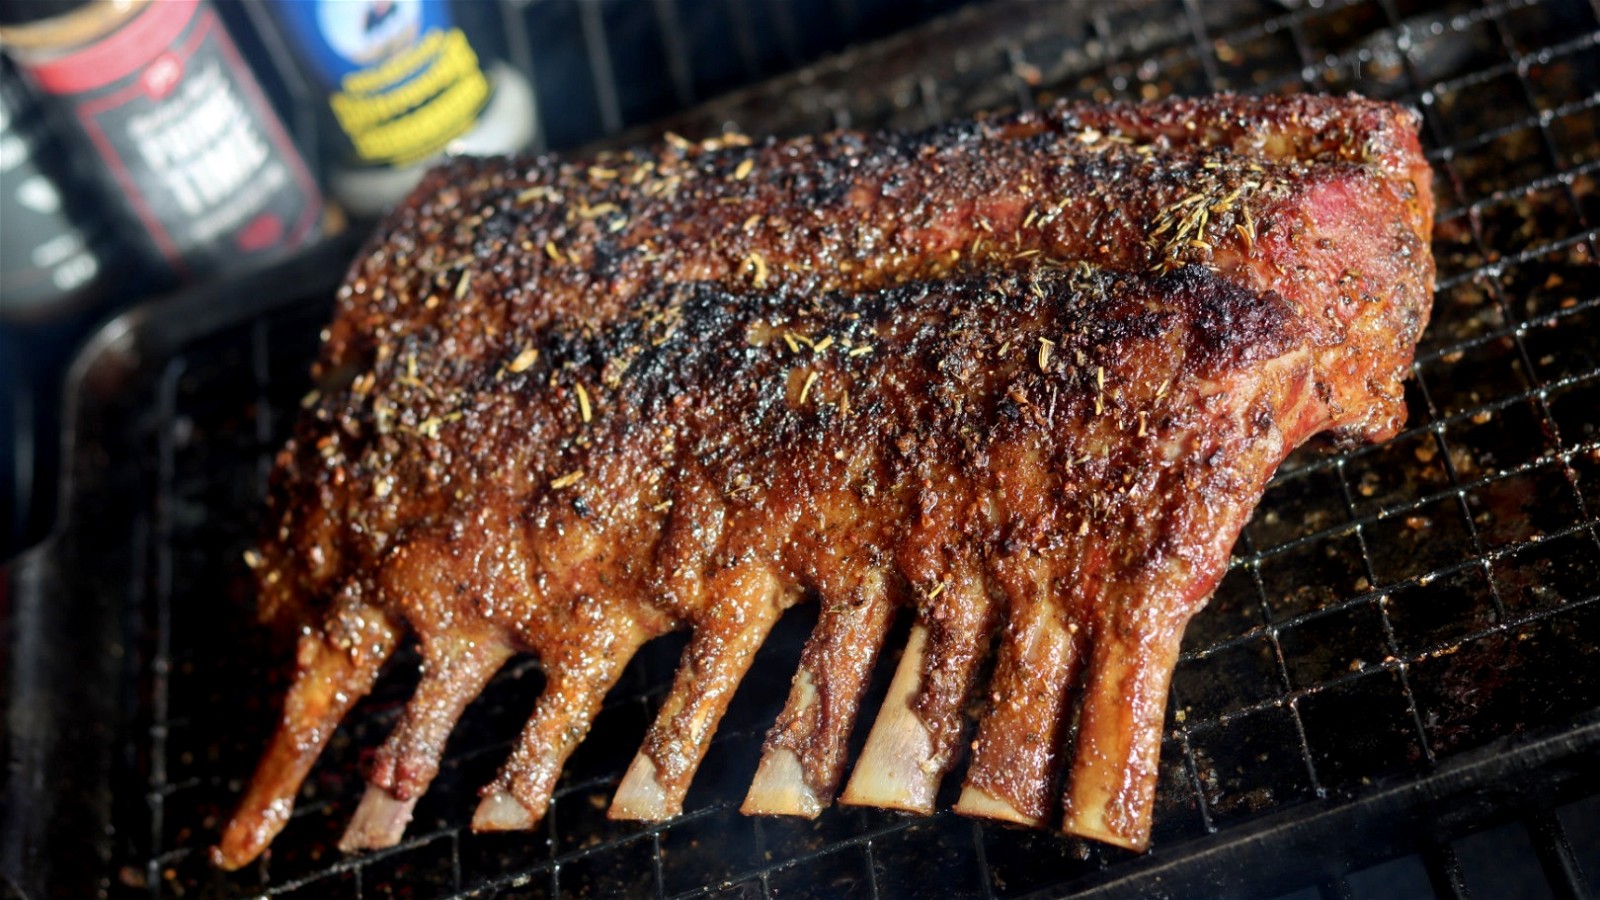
1233,326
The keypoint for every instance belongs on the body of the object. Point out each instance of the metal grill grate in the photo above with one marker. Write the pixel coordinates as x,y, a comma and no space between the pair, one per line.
1395,619
600,66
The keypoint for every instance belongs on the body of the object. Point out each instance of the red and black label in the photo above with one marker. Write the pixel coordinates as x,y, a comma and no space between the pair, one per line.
187,137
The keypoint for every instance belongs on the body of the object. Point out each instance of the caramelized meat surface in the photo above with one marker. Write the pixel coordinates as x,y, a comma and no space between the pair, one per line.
1024,377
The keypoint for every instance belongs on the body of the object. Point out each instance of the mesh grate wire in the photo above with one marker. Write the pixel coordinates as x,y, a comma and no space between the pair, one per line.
1294,663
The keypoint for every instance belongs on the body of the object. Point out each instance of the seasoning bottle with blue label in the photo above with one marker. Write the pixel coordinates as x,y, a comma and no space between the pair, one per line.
404,83
188,147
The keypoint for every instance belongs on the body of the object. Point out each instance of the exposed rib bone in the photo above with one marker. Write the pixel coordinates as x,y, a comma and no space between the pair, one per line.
379,821
518,796
891,770
334,670
804,755
781,787
456,666
915,737
1016,756
1113,779
499,811
746,605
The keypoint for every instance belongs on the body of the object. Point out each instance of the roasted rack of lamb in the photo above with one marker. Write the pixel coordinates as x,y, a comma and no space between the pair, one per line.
1025,377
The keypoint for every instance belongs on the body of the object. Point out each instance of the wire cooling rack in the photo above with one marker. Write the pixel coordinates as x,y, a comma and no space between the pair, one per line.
1402,623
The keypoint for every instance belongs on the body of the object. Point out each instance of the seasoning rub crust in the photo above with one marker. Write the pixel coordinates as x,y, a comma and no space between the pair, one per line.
1024,378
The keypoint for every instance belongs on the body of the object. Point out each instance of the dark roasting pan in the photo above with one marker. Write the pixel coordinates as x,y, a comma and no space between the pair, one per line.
1395,692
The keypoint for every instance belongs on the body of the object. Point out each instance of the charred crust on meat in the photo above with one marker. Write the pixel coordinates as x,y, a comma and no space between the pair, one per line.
1025,376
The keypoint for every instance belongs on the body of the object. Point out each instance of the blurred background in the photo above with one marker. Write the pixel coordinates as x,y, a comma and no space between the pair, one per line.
155,144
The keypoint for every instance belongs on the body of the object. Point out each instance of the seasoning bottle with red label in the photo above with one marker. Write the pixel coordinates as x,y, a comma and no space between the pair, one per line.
189,148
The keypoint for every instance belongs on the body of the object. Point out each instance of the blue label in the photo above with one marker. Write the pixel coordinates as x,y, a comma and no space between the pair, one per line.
341,37
402,81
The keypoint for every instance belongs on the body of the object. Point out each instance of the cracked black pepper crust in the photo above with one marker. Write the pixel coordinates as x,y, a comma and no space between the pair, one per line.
769,398
1322,200
504,245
